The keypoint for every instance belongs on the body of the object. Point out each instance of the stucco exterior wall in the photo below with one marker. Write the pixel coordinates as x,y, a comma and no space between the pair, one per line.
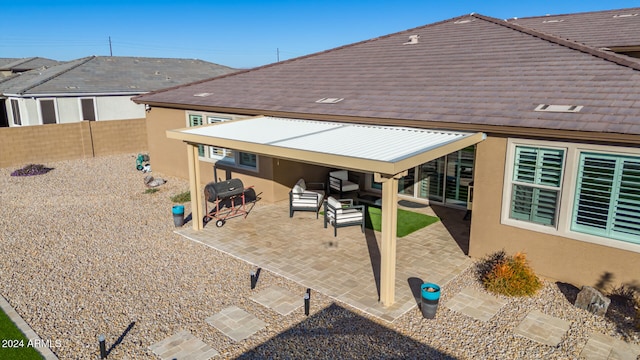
558,258
117,108
68,109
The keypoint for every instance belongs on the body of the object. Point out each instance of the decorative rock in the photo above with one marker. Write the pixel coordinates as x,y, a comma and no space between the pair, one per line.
592,300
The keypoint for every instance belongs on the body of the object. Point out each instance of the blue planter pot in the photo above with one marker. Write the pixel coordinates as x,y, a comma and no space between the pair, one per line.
430,295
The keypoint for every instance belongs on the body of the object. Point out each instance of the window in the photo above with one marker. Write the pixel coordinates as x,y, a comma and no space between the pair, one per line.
218,152
88,109
196,120
537,178
48,111
585,192
607,200
15,111
248,160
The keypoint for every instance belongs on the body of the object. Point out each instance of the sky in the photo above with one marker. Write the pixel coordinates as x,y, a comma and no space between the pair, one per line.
239,34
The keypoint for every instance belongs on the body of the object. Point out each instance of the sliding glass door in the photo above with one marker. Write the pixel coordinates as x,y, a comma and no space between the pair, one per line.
459,176
443,180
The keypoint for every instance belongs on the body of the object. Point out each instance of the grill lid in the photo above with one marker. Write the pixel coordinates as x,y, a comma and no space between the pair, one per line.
223,189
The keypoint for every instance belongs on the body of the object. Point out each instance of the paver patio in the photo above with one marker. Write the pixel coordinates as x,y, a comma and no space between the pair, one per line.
346,267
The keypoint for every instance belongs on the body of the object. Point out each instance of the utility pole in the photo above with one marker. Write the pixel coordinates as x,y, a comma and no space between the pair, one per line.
110,49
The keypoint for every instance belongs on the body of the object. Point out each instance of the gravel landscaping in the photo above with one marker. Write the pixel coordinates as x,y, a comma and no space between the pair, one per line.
85,252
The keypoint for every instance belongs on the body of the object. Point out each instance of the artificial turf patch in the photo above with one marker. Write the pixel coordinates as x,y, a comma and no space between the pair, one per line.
408,221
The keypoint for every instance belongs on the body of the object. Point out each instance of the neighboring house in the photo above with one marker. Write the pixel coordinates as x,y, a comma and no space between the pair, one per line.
93,88
558,175
12,66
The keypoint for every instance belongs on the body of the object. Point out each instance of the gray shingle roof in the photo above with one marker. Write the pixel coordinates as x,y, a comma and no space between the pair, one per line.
105,74
472,70
25,64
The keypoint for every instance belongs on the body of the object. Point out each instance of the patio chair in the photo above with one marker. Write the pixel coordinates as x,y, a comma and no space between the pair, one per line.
342,213
306,197
339,182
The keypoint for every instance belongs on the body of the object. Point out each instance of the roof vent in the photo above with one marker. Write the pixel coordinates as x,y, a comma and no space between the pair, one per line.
329,100
624,15
202,94
559,108
464,21
413,39
552,21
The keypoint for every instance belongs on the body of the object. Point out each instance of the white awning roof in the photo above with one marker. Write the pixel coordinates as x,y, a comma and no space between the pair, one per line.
371,148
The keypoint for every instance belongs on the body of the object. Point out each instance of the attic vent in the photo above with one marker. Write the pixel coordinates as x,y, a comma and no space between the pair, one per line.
624,15
552,21
329,100
202,94
72,87
157,72
413,39
464,21
133,87
559,108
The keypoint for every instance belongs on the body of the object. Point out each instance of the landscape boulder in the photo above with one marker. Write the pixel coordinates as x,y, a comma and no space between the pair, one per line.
592,300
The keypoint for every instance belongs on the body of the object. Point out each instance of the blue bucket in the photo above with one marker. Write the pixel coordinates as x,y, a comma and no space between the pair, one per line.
178,209
434,294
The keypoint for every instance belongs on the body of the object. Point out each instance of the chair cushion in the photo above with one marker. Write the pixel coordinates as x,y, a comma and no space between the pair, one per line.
308,199
349,186
340,174
349,215
299,187
334,203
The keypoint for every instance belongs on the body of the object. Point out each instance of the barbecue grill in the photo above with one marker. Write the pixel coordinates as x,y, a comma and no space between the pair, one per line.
228,198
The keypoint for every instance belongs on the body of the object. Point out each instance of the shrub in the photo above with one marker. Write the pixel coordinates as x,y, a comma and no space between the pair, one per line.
625,305
182,197
508,275
31,170
151,191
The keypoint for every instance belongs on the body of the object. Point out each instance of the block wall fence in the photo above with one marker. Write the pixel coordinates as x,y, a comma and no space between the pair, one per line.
55,142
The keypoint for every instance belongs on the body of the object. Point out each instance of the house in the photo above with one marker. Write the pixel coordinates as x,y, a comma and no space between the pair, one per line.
93,88
552,124
12,66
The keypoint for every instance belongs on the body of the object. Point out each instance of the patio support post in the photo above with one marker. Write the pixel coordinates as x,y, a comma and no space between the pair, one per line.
388,242
194,184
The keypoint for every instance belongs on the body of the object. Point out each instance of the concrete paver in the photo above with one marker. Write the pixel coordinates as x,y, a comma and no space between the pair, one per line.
606,347
543,328
183,346
236,323
476,304
280,300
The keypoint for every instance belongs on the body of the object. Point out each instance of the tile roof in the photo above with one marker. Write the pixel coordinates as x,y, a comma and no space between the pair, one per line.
472,70
106,74
612,28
